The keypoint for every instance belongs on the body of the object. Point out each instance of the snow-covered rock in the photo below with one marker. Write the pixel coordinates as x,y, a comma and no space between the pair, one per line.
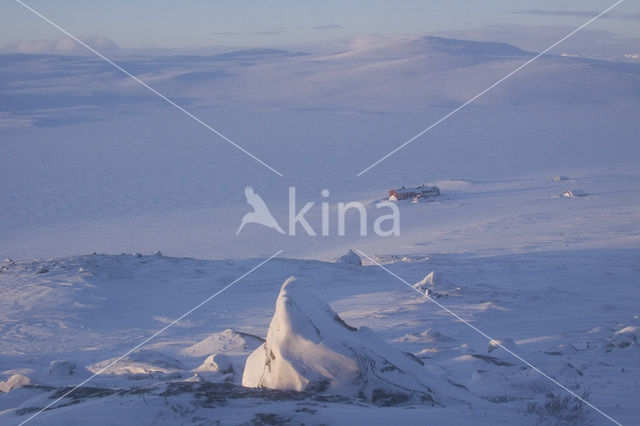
196,378
61,367
427,336
310,348
351,258
230,342
427,282
432,294
624,338
562,349
433,284
15,381
216,363
141,362
502,343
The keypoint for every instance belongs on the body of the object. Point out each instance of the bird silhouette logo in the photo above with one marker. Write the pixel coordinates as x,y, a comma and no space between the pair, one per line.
260,214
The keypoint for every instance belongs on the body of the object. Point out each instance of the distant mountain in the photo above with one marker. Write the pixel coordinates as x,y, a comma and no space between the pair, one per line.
466,47
370,73
256,53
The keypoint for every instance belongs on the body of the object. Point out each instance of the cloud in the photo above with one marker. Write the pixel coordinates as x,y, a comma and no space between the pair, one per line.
61,46
267,32
236,33
572,13
223,33
329,27
631,16
582,14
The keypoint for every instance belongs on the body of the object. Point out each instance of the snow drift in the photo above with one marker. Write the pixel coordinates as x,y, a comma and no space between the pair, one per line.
142,362
310,348
229,341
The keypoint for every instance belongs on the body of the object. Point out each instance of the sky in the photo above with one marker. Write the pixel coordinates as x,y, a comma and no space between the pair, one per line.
273,23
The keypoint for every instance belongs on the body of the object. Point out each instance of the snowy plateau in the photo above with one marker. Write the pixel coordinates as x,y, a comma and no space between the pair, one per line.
98,175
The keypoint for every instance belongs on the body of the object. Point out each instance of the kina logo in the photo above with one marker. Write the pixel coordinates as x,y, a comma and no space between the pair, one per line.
260,214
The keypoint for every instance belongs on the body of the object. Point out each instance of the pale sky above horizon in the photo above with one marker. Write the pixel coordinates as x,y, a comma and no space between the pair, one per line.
271,23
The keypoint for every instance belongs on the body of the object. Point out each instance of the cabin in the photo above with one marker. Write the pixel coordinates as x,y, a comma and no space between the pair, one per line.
415,193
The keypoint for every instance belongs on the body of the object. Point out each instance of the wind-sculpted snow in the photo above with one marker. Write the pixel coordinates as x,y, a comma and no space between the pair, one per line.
310,348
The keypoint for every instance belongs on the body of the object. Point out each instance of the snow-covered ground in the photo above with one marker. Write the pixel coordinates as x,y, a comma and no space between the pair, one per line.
571,313
93,163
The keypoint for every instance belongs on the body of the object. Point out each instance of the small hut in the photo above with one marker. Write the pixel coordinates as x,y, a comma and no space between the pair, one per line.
422,191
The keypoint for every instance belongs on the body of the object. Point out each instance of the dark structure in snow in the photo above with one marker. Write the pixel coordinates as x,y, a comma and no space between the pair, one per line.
422,191
574,193
351,258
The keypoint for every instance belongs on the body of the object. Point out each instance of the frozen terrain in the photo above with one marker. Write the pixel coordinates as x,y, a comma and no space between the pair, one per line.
133,174
574,314
91,163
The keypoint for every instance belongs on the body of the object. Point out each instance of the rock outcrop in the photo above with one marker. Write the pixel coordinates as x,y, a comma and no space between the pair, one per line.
351,258
310,348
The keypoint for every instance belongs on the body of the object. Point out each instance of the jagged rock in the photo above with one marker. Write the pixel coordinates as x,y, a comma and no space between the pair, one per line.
310,348
351,258
434,284
433,281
